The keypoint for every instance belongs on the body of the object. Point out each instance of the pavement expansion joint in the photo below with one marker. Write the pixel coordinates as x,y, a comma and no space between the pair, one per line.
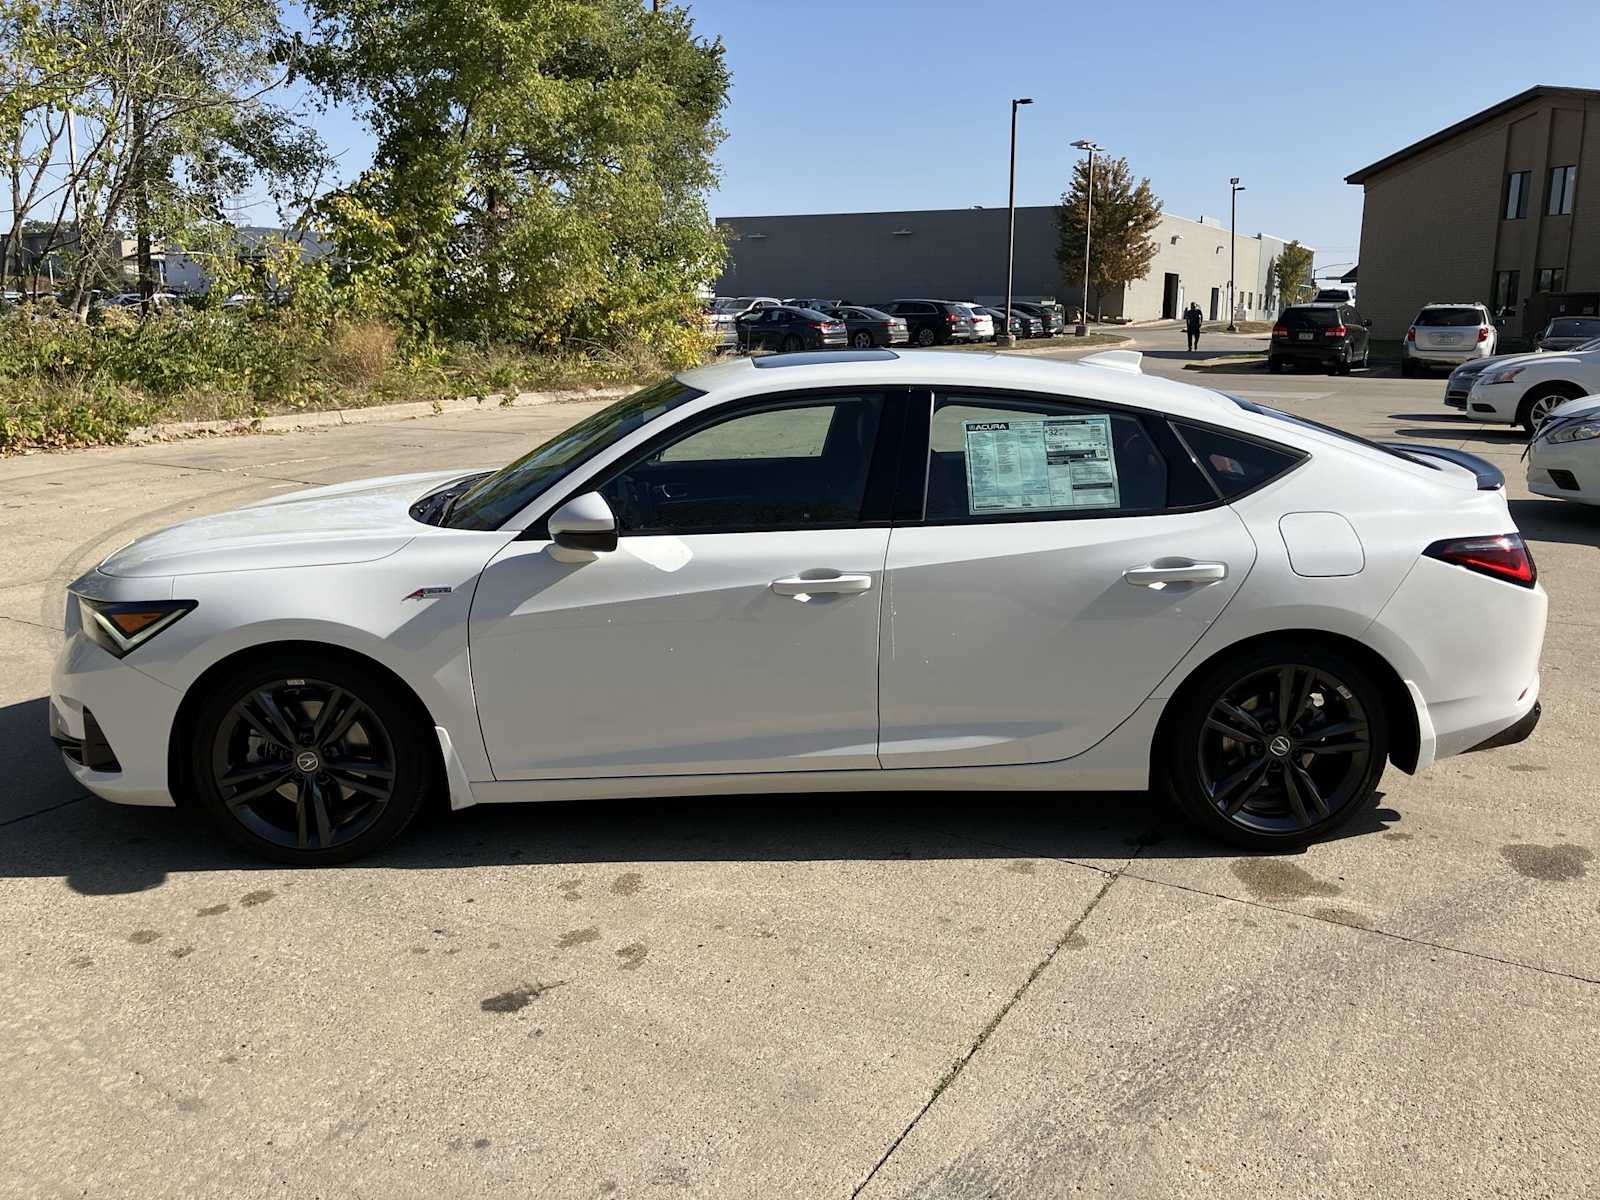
951,1075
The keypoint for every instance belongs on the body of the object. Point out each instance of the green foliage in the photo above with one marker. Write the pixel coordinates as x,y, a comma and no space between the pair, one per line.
1121,231
1293,272
540,172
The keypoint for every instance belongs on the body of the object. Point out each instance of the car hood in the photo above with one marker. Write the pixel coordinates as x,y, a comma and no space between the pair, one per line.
325,526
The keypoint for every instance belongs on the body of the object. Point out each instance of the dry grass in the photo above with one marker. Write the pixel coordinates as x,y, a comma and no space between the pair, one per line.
359,353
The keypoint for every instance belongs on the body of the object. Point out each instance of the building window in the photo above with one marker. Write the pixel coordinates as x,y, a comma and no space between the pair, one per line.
1517,194
1563,186
1551,279
1506,284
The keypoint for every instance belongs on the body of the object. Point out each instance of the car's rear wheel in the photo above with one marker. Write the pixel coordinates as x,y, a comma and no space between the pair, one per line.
1277,747
1275,365
926,337
1407,368
792,342
309,762
861,339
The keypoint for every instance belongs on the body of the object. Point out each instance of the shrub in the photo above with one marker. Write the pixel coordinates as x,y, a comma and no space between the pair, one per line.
359,352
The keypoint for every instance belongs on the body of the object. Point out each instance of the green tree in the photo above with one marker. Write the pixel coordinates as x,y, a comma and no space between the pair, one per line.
1293,272
540,171
1122,242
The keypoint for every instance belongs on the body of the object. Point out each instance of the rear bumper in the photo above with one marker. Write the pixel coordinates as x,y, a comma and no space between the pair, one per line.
1520,731
1443,356
1290,352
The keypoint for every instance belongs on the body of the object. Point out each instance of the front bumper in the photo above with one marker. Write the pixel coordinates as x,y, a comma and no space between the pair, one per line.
1565,471
1495,404
113,724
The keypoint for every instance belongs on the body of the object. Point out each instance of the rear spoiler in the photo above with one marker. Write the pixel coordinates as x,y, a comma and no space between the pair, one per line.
1117,360
1490,478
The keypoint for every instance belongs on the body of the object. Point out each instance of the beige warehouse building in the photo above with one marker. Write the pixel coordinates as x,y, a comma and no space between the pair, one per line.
960,254
1502,207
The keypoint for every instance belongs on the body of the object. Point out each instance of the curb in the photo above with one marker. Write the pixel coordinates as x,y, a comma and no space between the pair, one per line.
371,414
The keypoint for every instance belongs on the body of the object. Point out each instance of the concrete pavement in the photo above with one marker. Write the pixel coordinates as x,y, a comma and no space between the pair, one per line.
929,996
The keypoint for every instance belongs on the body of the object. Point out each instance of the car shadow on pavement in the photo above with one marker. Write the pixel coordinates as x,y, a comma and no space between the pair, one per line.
1467,433
102,849
1557,521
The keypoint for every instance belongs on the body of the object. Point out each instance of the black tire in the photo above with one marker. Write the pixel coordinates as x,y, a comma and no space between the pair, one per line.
792,342
1247,788
1537,403
1275,365
323,711
927,337
1407,368
862,339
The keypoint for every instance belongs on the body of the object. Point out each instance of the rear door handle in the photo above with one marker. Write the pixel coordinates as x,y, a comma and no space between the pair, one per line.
833,584
1188,572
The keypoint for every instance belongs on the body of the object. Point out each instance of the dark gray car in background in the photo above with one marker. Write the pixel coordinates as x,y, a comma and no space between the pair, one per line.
1568,333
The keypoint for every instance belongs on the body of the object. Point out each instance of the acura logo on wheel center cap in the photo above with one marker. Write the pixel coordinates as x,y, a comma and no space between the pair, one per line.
1280,746
308,762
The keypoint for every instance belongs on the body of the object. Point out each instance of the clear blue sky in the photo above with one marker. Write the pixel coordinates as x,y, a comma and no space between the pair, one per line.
840,107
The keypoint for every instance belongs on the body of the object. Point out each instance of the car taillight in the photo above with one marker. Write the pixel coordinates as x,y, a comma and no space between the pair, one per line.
1411,334
1506,557
1336,331
1483,333
951,317
1278,331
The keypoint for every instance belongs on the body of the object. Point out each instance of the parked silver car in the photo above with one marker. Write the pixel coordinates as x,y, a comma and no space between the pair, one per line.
1443,335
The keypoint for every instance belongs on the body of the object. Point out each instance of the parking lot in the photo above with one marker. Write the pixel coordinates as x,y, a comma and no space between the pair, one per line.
910,995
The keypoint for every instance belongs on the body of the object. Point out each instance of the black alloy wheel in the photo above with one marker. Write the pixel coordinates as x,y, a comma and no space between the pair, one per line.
1275,753
309,768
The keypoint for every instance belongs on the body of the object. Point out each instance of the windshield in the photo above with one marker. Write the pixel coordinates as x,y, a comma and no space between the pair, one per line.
1574,327
497,498
1448,317
727,304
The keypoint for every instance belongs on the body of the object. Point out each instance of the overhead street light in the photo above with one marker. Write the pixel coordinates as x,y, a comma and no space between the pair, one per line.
1008,338
1233,246
1088,223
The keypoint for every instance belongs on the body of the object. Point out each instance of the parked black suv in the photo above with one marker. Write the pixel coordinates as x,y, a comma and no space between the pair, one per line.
1331,336
1050,316
789,329
932,322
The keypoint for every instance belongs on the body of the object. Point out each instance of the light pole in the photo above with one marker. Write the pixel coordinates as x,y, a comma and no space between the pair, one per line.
1088,224
1008,338
1233,246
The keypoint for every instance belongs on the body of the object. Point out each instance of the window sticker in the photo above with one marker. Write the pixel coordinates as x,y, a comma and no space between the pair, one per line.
1057,462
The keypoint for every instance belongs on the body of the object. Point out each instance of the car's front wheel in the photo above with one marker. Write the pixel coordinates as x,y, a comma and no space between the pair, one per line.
309,761
1277,747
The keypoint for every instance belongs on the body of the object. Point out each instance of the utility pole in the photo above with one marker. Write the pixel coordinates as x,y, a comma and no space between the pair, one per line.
1233,246
1006,337
1088,226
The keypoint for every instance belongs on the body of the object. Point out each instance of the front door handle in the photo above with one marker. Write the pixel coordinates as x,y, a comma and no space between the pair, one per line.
1150,575
831,583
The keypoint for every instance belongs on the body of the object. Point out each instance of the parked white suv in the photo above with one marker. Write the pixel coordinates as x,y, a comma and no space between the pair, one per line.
982,323
1523,390
1446,335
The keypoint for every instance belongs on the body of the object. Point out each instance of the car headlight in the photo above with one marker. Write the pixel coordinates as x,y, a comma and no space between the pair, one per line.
1504,375
120,629
1579,431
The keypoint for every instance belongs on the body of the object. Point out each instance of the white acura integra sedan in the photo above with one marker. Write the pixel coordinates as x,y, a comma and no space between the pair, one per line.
823,572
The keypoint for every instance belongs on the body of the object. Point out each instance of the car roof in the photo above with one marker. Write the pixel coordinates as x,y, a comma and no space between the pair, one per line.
1455,304
935,368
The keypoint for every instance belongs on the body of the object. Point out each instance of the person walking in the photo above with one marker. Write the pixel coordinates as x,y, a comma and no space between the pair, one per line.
1191,324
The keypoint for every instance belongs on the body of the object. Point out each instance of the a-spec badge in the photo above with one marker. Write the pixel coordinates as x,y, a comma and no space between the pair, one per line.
429,593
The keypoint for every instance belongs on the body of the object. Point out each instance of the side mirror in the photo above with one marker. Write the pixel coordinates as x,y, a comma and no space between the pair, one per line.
585,523
1367,324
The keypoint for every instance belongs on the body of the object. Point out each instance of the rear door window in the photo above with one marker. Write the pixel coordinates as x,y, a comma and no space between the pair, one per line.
1309,318
1019,457
1448,317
